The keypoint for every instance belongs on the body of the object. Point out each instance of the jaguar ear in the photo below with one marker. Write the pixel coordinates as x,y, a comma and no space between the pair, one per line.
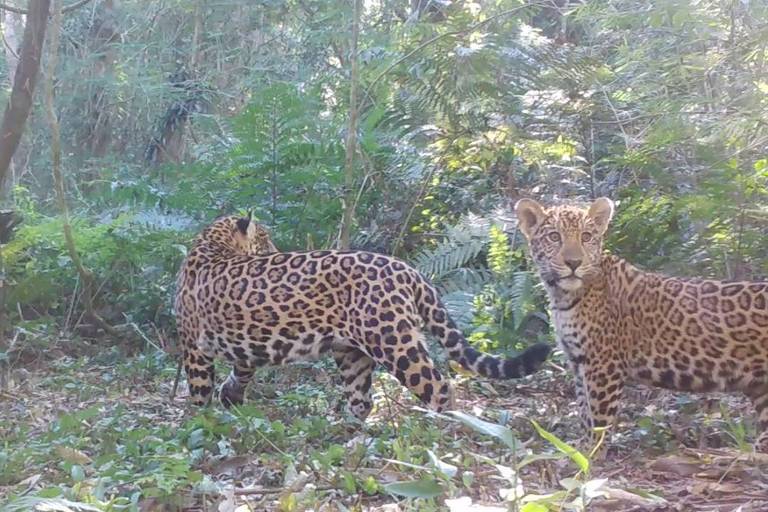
243,223
601,212
529,215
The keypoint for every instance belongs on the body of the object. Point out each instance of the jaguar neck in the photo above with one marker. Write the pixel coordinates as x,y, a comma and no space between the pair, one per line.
214,248
561,300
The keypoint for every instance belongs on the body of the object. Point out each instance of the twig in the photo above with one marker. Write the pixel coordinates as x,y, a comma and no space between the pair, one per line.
8,47
71,310
64,10
407,220
176,380
274,490
142,335
618,118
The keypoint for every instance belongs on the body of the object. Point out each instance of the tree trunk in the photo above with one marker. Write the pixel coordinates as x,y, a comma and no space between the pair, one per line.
104,35
351,143
20,102
169,145
13,30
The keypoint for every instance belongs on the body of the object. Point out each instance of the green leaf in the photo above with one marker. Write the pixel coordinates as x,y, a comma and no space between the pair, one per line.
575,455
370,486
196,439
77,473
349,482
534,507
415,489
500,432
49,492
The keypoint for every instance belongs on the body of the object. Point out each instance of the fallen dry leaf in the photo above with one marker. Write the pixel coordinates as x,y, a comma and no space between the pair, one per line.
704,488
676,464
72,455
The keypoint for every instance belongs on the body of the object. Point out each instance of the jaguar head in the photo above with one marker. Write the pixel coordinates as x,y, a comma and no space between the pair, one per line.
239,234
566,242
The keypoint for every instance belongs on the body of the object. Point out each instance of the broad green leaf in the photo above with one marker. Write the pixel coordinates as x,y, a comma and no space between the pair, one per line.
534,507
415,489
77,473
196,439
575,455
500,432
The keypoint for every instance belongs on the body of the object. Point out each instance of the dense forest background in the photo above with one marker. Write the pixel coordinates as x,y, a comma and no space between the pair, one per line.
403,127
174,112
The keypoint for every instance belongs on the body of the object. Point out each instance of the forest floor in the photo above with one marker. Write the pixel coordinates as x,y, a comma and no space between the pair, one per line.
102,430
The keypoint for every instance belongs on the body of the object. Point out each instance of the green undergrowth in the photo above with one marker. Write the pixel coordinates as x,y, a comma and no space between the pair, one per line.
91,435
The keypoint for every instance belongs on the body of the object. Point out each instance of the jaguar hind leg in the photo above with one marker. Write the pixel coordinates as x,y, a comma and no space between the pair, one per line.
232,391
357,371
759,396
405,357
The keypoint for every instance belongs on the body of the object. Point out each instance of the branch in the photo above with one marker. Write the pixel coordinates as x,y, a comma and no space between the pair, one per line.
19,10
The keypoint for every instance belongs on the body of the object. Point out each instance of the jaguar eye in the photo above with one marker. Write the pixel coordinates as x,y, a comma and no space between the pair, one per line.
554,237
586,237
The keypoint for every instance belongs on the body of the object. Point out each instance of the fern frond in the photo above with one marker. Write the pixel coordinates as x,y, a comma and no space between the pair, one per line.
521,295
448,255
460,306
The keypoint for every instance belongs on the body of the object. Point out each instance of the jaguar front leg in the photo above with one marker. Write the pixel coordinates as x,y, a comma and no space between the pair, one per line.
599,385
200,374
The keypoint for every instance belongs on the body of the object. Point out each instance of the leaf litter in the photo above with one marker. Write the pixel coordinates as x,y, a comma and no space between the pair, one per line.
668,453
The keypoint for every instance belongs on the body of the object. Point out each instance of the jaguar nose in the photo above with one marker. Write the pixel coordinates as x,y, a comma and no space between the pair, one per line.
573,264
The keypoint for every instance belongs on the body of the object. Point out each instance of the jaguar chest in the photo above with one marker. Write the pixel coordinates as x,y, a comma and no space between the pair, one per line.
569,331
587,327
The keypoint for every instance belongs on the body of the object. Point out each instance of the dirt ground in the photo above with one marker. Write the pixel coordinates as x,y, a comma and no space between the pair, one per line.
671,451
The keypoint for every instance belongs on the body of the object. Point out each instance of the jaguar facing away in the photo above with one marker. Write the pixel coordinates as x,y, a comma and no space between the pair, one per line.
235,301
616,323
